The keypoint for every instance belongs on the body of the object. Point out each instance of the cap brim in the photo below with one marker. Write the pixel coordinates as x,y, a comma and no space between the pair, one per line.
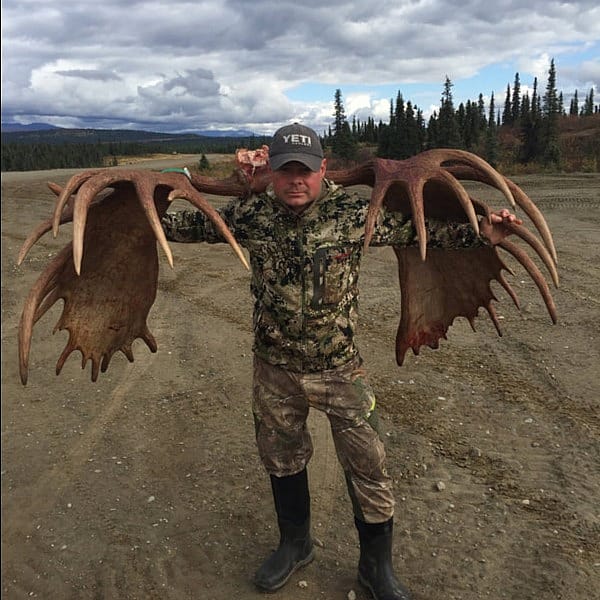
312,162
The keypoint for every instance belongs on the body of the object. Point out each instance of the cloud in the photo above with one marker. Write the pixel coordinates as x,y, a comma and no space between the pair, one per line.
89,74
214,64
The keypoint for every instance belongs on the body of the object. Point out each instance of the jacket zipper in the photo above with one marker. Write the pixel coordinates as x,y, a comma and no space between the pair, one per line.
301,245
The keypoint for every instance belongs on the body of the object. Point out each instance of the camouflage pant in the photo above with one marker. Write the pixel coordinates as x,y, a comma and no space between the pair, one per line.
281,402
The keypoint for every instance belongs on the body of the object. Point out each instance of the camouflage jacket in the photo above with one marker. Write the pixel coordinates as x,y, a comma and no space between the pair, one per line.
305,268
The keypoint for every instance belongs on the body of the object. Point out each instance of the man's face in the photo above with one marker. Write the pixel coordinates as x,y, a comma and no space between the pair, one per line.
296,185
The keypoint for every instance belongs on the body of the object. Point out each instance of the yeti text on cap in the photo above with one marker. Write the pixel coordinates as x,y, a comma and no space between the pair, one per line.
296,138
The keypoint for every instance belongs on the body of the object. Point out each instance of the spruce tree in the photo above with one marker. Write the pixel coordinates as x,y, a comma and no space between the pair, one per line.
461,121
525,106
433,131
203,163
448,131
588,107
481,113
561,105
491,138
398,132
384,146
515,108
507,112
471,128
412,143
343,144
529,132
536,107
574,107
551,116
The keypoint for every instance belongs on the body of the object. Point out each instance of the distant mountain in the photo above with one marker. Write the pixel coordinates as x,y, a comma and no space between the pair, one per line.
83,148
235,133
11,127
119,134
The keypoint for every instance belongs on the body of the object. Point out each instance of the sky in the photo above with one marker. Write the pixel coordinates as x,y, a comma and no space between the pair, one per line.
255,65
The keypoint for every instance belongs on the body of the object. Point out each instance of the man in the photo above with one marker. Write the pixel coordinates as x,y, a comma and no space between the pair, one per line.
305,239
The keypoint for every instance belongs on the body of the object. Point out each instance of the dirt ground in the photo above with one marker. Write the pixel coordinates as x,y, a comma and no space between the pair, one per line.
146,485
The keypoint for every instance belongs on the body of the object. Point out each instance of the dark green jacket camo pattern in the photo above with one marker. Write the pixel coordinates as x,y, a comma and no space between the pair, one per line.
305,268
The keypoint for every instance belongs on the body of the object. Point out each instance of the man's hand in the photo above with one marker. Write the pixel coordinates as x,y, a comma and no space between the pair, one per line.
497,230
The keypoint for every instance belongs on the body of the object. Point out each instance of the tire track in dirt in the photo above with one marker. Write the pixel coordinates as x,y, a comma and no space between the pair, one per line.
50,486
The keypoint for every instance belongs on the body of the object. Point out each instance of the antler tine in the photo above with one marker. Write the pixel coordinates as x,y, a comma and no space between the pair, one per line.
363,174
82,202
509,290
145,193
72,186
415,193
68,349
536,216
86,195
36,234
45,226
193,196
54,188
526,235
379,174
464,198
104,360
414,189
540,249
49,300
145,190
481,208
34,308
491,311
477,163
522,199
377,198
535,274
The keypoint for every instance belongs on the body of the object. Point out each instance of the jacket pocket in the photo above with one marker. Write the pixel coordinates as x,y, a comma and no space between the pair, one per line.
332,268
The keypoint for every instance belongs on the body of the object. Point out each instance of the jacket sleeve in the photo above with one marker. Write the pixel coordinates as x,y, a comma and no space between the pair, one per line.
395,229
189,226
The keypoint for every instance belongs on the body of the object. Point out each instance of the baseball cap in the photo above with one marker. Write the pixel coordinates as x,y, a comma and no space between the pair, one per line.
295,143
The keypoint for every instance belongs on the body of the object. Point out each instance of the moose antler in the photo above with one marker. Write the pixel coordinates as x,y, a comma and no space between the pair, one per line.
108,289
437,286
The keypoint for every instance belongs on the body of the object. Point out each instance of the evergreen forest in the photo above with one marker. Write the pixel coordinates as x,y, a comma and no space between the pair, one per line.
527,132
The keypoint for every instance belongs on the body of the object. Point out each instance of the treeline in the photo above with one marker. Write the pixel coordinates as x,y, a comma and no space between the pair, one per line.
24,155
526,131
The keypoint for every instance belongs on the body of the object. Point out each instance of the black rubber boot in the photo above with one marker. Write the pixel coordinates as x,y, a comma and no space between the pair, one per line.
375,570
292,503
